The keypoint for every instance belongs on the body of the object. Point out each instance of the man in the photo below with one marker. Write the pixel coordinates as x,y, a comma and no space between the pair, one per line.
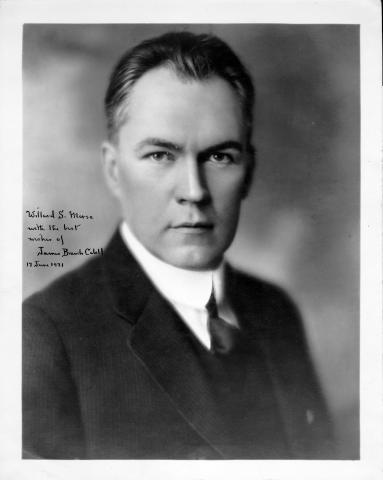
159,349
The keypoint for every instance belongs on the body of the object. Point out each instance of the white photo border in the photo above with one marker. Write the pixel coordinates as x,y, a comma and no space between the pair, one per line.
13,14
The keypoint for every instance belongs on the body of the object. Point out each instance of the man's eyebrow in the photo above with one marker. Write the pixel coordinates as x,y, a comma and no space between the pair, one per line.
227,145
157,142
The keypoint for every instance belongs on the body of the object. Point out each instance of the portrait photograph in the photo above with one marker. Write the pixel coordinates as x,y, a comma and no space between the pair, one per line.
198,245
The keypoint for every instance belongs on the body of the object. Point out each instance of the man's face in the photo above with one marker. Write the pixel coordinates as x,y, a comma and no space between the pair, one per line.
179,167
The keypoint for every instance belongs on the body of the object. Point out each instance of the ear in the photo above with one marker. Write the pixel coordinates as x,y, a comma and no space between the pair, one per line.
111,167
251,163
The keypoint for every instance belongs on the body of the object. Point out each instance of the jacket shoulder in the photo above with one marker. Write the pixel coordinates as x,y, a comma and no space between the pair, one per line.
271,304
260,286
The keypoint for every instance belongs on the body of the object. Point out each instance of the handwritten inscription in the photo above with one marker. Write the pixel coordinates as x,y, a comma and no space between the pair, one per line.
64,252
47,231
59,214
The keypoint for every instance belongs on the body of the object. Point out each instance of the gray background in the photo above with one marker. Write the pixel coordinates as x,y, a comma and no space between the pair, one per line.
300,224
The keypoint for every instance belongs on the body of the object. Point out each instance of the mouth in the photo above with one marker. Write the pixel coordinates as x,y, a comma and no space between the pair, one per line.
193,227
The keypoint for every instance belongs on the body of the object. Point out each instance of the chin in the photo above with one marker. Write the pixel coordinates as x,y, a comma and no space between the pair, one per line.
195,259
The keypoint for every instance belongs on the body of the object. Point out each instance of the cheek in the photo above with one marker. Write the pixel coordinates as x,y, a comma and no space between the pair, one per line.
143,197
134,184
227,195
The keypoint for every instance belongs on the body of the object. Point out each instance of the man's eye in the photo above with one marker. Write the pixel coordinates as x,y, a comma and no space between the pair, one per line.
160,156
221,158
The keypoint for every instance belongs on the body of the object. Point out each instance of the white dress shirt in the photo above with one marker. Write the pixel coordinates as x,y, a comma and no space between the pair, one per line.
187,290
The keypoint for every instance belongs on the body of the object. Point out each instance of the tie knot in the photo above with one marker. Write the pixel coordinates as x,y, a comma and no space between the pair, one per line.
223,336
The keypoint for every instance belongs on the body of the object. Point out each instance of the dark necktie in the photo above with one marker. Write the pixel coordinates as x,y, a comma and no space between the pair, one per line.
223,336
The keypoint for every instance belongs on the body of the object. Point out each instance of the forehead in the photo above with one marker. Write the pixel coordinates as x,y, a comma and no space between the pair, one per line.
161,103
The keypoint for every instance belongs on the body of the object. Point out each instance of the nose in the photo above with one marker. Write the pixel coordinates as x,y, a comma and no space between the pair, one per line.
191,184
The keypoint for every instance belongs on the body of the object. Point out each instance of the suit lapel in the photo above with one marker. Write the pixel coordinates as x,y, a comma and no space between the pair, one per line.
127,285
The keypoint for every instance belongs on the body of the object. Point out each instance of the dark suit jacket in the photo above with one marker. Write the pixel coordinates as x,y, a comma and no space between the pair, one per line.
111,371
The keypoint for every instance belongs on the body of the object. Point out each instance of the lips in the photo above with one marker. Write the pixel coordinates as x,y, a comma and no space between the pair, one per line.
193,227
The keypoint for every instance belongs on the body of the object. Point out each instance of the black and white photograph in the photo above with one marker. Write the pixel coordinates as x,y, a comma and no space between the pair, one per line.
124,351
192,210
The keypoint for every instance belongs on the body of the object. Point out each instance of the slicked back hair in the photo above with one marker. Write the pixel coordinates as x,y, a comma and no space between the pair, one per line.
192,57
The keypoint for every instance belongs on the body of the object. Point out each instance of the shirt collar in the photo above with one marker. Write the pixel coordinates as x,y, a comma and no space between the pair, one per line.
186,287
